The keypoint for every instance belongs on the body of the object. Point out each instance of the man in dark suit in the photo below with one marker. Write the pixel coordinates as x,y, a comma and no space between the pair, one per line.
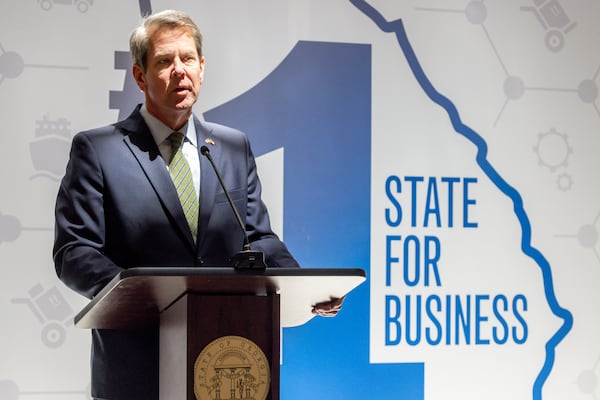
118,206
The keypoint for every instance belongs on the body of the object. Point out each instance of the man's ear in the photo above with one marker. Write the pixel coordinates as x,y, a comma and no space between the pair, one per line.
139,76
202,70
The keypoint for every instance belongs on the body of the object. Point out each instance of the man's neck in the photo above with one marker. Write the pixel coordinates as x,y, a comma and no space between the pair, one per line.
174,120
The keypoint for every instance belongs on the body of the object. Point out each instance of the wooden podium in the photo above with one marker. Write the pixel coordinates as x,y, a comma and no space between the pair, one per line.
219,327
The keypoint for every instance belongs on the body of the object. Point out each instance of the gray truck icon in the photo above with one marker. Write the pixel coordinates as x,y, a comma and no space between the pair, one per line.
554,20
82,5
53,312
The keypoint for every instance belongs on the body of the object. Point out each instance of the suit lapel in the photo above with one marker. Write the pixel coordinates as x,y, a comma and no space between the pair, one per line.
144,149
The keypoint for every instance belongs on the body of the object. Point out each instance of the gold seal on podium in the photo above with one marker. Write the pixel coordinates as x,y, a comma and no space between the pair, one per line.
232,368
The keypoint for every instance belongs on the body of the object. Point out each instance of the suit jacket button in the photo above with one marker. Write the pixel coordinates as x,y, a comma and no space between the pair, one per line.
199,261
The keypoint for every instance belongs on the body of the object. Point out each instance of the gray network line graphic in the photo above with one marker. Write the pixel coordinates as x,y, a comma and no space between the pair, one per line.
47,305
587,381
12,65
556,23
11,228
552,148
587,236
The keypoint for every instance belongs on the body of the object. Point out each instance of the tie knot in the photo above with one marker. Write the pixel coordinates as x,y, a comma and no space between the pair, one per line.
176,139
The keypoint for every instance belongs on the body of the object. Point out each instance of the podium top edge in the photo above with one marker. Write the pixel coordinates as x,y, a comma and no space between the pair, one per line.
142,293
230,271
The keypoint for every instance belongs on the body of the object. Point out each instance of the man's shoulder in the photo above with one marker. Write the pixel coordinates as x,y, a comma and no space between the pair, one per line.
215,131
118,129
220,129
100,134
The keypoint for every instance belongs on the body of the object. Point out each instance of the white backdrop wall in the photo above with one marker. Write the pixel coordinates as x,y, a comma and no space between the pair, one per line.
448,147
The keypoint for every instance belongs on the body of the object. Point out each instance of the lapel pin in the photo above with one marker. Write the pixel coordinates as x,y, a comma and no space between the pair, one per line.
209,141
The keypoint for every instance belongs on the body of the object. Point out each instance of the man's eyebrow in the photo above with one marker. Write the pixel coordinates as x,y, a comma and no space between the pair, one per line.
162,53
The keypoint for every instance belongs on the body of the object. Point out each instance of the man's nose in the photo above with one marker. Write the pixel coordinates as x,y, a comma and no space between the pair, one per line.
178,68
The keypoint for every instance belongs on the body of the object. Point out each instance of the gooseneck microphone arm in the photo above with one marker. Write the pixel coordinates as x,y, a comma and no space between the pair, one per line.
206,153
247,258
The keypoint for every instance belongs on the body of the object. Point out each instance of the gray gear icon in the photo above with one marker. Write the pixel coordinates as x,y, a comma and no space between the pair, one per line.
553,150
564,182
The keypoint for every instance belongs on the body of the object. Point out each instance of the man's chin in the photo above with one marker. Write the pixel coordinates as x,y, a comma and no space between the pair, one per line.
186,104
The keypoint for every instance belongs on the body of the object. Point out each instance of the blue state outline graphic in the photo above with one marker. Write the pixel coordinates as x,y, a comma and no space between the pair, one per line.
397,27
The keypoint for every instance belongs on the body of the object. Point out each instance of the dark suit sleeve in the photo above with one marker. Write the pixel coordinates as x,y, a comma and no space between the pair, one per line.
258,224
80,224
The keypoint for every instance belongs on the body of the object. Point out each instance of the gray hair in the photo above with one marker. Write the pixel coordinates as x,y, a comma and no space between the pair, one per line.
171,19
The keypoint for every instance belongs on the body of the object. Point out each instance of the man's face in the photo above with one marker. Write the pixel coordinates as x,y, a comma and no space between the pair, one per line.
173,75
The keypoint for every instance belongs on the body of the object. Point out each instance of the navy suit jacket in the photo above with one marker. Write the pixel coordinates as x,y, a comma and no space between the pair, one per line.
117,208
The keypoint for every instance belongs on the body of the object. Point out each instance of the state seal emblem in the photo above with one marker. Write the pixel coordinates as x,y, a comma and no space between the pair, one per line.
232,368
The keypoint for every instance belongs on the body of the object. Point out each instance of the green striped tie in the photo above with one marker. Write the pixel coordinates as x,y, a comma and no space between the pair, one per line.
180,172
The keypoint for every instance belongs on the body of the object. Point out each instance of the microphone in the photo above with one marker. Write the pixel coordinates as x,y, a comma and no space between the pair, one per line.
247,258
